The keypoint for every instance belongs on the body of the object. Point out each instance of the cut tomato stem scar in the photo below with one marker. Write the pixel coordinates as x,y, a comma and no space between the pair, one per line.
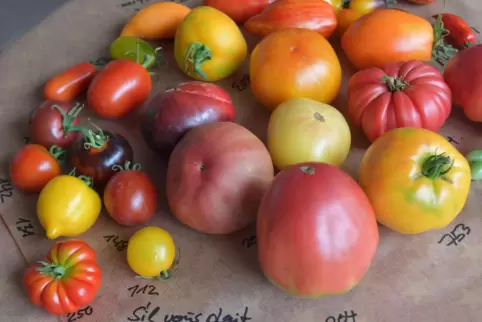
308,169
319,117
197,54
127,167
437,165
395,84
69,118
54,270
58,153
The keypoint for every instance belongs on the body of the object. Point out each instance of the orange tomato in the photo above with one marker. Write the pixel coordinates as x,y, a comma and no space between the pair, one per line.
241,11
294,63
386,36
336,4
345,19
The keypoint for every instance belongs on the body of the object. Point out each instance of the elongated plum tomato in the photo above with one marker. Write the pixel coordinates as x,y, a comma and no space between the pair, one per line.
68,279
310,68
316,231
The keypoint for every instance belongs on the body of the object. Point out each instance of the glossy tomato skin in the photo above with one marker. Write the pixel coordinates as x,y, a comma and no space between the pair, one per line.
216,177
346,17
119,88
404,198
386,36
170,114
130,198
316,231
32,167
460,34
297,50
133,48
366,6
337,5
69,84
239,12
71,290
413,94
98,163
46,124
463,74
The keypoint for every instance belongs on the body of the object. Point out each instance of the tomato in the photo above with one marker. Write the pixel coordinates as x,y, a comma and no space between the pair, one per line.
33,166
411,94
69,84
151,253
119,88
156,21
463,74
209,45
386,36
421,1
346,17
68,206
315,15
298,51
415,179
96,153
68,279
459,33
130,197
475,161
55,123
239,12
366,6
337,4
316,231
134,49
303,130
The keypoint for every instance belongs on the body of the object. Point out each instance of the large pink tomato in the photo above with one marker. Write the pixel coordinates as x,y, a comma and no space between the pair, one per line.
316,231
216,177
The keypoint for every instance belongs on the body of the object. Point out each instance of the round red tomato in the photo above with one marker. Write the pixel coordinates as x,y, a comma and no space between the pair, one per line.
411,94
34,166
316,231
130,197
119,88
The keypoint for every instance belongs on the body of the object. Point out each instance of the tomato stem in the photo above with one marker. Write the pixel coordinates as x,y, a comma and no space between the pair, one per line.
437,165
441,50
395,84
127,167
93,139
475,161
54,270
69,118
196,54
100,63
58,153
89,181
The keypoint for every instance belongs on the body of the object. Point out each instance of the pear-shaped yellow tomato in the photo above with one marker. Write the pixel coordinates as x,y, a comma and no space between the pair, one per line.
67,206
208,45
304,130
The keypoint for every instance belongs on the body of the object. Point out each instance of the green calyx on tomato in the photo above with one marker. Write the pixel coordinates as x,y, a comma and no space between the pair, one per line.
395,84
86,179
69,118
58,153
135,49
437,165
440,49
128,166
54,270
168,273
196,54
475,161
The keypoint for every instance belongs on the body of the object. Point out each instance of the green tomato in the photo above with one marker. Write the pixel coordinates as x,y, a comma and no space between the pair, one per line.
475,161
135,49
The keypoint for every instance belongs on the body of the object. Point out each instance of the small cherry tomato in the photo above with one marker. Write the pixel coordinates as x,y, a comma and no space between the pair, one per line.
134,49
151,253
130,197
34,166
69,84
54,123
364,7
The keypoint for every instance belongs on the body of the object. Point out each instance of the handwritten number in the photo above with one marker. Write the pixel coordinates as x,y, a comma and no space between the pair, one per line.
343,317
147,289
25,226
6,188
118,243
452,140
242,84
75,316
26,139
457,235
152,290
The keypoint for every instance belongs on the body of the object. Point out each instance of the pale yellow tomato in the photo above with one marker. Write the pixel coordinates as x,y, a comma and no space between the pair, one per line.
304,130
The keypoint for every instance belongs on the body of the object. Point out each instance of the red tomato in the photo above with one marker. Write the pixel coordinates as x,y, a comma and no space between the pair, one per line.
34,166
119,88
69,84
66,280
239,12
130,197
316,231
463,74
460,34
54,123
411,94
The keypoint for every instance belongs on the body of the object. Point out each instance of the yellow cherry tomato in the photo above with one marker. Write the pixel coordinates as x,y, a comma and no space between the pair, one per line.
208,45
67,206
415,179
364,7
151,252
336,4
304,130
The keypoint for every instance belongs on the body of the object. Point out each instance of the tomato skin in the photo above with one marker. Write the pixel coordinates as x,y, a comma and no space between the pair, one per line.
366,6
315,15
97,162
406,200
119,88
421,98
346,17
69,84
339,232
71,291
206,32
297,50
239,12
463,74
337,5
130,198
151,251
460,35
126,48
386,36
52,123
32,167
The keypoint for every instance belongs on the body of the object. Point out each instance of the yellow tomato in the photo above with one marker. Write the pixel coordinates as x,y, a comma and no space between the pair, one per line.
67,206
208,45
151,252
304,130
415,179
336,4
